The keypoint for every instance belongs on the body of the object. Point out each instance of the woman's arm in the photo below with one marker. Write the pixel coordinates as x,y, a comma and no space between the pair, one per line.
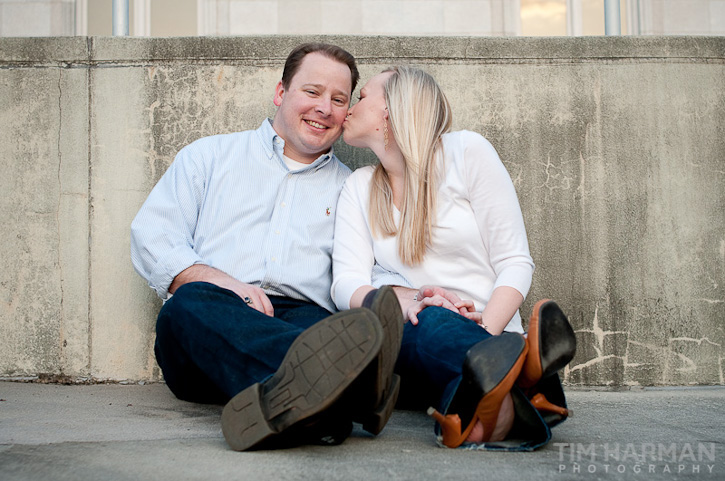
352,254
501,225
502,306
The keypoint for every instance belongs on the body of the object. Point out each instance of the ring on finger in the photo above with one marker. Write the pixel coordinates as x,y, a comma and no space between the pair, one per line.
247,300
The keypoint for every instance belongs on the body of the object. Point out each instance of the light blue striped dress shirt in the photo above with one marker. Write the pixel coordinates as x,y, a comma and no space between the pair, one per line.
230,202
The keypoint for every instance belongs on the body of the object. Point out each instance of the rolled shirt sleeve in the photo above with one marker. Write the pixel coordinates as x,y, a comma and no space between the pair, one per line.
162,232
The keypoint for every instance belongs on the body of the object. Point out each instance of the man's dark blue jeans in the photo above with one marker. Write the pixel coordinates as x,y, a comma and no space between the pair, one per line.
211,345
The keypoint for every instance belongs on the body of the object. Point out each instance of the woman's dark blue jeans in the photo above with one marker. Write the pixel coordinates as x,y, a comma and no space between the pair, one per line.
211,345
430,365
432,354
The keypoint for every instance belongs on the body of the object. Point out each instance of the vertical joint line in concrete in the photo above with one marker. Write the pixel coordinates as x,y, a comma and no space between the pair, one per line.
89,90
58,217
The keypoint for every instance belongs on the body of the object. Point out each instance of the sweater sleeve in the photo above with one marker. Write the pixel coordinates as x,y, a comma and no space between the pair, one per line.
353,257
498,214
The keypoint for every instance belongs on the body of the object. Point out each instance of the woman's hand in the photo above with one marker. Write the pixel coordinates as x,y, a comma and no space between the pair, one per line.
468,310
462,307
412,302
412,310
502,306
430,291
433,296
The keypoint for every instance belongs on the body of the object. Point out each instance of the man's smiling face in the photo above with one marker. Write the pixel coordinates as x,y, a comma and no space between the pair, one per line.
311,111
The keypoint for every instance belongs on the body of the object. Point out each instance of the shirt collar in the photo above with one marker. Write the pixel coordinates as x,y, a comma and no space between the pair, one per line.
274,144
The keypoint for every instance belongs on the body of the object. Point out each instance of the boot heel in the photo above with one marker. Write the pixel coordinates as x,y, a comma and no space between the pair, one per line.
450,427
243,421
540,402
375,422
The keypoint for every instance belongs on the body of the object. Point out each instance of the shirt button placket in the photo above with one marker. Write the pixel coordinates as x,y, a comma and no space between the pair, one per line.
281,219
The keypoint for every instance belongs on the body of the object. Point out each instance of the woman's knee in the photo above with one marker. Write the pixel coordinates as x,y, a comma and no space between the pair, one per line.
444,327
441,315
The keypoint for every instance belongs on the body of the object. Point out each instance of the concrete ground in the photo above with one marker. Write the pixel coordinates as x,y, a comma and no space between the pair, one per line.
116,432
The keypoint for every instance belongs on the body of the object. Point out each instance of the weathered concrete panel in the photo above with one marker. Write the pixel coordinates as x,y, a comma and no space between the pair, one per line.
619,170
44,274
616,148
135,138
120,337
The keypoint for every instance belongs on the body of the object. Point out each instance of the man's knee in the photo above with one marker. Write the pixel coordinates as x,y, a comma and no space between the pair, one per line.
192,296
199,291
178,307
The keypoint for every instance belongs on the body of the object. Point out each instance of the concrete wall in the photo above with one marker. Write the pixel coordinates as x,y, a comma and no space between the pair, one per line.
616,147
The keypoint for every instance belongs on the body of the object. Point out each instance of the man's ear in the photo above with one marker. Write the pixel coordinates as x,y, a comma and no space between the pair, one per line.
279,94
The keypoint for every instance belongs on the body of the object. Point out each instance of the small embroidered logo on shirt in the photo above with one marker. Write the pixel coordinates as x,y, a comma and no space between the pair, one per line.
327,212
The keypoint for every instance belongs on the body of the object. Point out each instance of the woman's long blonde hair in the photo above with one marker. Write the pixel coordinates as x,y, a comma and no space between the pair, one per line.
419,115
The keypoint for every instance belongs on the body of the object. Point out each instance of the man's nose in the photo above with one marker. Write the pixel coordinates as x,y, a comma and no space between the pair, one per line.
324,106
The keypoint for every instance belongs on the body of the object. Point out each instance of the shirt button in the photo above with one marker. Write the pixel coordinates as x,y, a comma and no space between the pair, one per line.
283,204
274,259
277,232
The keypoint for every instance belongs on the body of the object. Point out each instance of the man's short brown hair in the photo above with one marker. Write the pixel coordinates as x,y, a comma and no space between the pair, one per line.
294,59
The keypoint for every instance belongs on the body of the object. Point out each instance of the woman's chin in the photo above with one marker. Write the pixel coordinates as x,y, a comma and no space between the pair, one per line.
351,140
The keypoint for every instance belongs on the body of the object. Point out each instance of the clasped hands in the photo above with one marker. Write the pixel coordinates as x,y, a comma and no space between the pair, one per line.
438,296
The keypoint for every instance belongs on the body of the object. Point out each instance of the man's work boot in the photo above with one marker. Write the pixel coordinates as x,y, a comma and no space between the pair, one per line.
376,390
319,366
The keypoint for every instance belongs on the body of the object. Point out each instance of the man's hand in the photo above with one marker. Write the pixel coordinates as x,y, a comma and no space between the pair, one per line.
254,296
